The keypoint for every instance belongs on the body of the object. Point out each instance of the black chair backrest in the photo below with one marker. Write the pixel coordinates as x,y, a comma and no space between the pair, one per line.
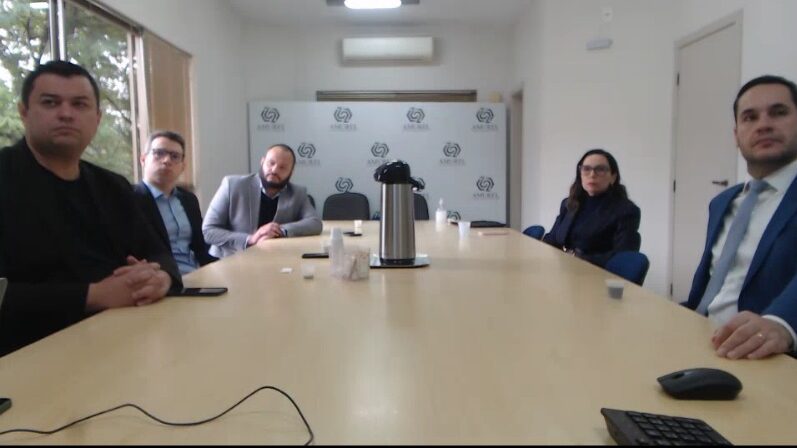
346,206
421,208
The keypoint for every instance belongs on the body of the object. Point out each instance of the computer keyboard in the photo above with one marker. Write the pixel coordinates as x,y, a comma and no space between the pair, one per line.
640,428
480,223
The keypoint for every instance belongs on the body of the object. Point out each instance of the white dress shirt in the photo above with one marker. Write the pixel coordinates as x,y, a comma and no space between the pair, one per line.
726,303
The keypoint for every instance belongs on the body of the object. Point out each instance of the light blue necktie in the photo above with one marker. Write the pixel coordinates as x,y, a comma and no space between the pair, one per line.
735,235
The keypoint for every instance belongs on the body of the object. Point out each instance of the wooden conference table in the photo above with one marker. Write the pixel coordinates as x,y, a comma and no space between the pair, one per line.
502,339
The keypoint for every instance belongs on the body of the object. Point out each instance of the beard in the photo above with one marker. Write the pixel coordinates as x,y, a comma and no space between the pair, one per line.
58,148
267,184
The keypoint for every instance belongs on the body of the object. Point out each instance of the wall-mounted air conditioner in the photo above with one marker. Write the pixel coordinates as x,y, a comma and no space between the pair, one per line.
359,49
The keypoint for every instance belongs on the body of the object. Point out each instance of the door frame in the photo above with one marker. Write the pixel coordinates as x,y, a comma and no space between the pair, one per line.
729,20
514,161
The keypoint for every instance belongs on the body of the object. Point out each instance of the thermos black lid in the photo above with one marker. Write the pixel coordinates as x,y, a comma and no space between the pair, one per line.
393,172
397,172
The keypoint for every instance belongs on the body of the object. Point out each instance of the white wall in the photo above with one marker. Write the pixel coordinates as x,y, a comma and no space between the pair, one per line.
619,99
293,63
769,36
211,33
527,75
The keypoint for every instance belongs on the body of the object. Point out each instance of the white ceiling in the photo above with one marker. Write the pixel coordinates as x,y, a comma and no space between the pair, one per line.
428,12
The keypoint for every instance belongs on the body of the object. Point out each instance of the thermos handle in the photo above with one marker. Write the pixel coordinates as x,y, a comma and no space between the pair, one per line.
417,184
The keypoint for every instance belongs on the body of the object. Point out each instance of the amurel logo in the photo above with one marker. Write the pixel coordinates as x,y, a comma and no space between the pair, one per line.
306,150
451,152
452,149
485,185
306,153
270,117
344,184
416,116
485,116
342,116
379,150
270,114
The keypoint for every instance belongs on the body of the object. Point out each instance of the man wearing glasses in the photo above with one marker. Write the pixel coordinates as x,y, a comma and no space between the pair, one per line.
171,210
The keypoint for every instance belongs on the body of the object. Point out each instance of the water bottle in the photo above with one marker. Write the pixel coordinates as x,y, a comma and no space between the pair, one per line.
335,249
441,215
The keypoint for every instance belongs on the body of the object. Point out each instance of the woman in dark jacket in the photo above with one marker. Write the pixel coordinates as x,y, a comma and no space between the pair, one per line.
597,220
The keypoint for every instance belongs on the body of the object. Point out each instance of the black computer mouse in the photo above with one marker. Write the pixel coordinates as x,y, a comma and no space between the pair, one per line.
701,384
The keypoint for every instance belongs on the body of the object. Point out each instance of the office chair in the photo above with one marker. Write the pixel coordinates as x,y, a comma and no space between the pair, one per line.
346,206
535,232
632,266
312,200
421,208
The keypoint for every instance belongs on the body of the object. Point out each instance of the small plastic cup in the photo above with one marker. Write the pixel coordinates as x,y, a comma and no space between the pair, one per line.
615,288
358,226
464,229
308,271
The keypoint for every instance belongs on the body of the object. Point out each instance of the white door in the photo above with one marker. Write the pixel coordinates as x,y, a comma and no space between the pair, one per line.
705,151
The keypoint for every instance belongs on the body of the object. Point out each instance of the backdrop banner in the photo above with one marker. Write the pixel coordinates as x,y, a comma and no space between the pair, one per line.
457,149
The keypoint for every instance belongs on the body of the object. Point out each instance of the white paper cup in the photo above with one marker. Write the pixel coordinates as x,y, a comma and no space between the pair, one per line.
464,229
358,226
615,288
308,270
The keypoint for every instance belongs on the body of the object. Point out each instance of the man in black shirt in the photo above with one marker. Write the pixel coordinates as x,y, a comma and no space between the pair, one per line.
72,240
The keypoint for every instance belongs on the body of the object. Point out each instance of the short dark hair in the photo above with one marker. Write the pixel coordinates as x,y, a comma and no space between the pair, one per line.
766,79
284,147
171,135
577,192
60,68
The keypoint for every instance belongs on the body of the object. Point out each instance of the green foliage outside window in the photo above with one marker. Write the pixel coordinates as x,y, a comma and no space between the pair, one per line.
93,42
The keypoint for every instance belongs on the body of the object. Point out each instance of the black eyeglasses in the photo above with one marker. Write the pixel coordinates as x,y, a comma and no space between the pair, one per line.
599,170
161,154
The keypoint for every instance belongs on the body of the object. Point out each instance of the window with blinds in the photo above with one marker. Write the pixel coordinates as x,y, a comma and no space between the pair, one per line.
167,82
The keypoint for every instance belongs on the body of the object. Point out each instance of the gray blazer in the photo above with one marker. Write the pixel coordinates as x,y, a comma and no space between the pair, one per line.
235,210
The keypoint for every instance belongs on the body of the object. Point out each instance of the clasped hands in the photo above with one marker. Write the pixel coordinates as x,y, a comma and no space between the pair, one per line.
139,283
751,336
265,232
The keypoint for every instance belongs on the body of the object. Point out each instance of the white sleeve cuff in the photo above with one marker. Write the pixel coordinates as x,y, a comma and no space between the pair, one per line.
785,325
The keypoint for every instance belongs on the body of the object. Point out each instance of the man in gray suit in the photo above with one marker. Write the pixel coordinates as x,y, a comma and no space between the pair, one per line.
259,206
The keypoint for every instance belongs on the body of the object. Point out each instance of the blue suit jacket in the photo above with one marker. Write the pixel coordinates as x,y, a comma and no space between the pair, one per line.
771,283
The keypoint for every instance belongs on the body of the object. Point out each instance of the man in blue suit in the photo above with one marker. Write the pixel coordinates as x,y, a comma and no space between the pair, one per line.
746,281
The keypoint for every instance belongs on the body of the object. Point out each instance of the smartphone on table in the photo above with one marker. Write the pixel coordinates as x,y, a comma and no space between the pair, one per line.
201,292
